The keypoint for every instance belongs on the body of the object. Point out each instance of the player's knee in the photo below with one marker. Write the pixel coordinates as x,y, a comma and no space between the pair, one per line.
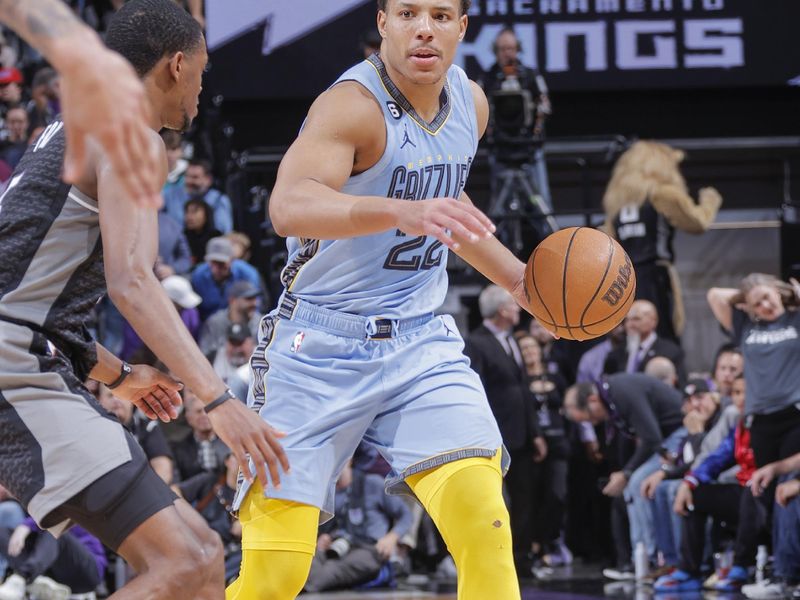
194,555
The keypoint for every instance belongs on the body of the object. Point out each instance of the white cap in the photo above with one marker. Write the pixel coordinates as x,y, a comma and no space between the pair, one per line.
180,291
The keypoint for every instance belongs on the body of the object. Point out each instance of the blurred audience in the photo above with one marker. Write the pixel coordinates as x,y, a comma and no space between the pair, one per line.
214,278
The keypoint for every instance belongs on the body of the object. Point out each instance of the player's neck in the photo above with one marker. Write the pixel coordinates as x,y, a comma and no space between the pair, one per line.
425,98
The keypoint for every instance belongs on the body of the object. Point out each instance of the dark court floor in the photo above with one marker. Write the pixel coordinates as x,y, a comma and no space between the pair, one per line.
571,583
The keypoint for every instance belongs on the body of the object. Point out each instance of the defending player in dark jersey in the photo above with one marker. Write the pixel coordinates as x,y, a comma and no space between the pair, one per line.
61,454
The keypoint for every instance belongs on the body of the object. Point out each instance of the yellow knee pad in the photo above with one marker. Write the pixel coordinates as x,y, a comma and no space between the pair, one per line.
465,500
278,543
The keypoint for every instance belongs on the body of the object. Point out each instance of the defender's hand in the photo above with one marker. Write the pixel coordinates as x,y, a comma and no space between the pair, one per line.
117,116
153,392
244,432
436,217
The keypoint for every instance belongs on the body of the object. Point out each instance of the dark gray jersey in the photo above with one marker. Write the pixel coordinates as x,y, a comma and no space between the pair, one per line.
51,273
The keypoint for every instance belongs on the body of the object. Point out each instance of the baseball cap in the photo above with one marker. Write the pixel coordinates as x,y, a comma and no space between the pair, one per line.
695,386
243,289
238,333
219,249
180,291
10,75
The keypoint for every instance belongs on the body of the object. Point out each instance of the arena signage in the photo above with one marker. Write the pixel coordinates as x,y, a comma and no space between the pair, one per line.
577,44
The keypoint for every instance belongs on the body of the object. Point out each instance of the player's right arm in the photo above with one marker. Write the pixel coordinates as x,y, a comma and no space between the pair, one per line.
101,94
345,133
130,248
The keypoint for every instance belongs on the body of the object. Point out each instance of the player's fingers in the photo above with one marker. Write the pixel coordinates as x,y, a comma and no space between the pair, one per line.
155,403
165,402
268,447
145,408
238,451
440,234
260,461
479,216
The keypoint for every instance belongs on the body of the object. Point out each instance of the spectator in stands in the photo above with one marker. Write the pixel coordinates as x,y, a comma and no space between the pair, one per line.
729,365
641,408
496,357
11,81
241,244
197,186
700,496
590,366
11,515
176,168
45,103
148,433
201,450
46,567
550,475
369,524
174,253
198,228
554,352
702,415
786,529
643,343
371,42
242,308
214,278
230,359
662,369
14,136
211,494
762,318
185,301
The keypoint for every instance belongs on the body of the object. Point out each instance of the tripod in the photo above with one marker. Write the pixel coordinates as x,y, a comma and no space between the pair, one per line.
516,199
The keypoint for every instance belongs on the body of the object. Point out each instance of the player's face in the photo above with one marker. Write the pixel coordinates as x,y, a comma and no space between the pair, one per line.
421,37
189,84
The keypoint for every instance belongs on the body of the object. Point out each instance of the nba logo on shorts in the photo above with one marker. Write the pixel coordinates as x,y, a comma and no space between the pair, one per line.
298,341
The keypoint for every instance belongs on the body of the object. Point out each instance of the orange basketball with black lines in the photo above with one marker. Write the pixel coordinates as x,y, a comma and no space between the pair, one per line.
579,283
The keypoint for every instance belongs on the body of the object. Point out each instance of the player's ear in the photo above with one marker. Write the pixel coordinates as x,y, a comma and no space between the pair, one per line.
382,23
176,65
463,21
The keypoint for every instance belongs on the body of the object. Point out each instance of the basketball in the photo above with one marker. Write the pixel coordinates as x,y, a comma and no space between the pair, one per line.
579,283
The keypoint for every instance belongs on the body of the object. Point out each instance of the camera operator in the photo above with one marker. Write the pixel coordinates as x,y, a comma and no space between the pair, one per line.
517,125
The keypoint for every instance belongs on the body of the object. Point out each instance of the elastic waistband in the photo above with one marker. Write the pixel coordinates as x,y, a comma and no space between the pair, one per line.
346,324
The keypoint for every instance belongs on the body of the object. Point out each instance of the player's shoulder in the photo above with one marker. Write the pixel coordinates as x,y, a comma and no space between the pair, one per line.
347,107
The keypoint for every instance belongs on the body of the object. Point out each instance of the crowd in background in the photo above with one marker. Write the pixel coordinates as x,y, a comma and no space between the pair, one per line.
619,449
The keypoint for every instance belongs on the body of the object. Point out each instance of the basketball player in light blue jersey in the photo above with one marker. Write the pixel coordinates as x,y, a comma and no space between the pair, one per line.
371,198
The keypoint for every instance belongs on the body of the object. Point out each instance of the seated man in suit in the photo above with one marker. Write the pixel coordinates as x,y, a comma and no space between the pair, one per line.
496,357
643,344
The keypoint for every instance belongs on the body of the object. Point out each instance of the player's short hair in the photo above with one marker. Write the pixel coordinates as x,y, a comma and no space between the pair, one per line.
145,31
465,4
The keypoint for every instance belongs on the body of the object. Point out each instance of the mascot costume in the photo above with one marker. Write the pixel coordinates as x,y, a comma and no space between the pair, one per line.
645,201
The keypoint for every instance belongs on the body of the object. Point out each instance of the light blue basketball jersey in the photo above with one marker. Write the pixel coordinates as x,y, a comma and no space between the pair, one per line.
389,274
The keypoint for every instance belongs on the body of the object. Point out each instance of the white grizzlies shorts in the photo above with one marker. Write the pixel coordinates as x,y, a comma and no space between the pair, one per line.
328,379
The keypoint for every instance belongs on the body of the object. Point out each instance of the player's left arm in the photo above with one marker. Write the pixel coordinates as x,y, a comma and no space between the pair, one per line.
488,256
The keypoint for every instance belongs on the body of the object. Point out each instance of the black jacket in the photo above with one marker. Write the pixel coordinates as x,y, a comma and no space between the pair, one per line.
617,359
506,388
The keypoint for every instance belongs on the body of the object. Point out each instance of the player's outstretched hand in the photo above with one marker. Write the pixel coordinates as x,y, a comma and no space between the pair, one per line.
153,392
244,432
439,216
106,100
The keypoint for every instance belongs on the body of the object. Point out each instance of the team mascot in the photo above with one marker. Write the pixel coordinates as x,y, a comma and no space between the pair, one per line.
645,201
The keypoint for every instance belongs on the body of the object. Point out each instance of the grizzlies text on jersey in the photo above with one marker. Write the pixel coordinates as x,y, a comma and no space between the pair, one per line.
390,274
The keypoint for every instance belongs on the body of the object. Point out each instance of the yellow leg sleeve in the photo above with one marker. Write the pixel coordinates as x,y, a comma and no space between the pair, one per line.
464,498
278,542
